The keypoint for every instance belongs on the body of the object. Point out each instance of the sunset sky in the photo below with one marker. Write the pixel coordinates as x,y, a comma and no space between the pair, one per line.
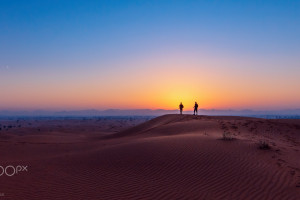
149,54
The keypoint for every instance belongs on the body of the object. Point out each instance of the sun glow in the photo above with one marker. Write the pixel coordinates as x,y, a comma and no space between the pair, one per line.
154,83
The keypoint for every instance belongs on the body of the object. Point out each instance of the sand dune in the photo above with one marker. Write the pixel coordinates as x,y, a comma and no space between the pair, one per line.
169,157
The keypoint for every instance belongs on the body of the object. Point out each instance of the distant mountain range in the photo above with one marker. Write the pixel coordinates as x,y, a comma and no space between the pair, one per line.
148,112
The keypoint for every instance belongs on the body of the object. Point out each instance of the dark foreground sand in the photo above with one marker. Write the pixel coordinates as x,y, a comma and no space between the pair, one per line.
169,157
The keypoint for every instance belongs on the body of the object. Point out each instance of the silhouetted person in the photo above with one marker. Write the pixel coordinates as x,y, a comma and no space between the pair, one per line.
196,109
181,107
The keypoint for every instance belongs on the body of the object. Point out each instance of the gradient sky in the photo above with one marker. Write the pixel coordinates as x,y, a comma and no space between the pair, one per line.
149,54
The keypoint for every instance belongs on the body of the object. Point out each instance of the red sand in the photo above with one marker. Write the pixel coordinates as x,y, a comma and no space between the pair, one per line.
169,157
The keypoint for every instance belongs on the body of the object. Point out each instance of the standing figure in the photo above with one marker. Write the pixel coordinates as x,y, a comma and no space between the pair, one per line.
196,109
181,107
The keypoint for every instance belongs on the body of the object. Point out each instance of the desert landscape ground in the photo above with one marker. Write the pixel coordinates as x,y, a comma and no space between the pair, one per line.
168,157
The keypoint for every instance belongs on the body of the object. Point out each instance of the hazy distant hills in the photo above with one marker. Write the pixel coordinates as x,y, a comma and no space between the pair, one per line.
148,112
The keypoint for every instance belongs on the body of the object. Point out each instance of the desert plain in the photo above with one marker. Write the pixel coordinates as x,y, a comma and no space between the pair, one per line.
167,157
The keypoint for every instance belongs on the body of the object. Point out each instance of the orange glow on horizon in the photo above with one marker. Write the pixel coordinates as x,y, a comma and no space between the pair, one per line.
160,83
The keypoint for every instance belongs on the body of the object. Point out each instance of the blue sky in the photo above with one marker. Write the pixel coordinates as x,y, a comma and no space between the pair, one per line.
44,42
